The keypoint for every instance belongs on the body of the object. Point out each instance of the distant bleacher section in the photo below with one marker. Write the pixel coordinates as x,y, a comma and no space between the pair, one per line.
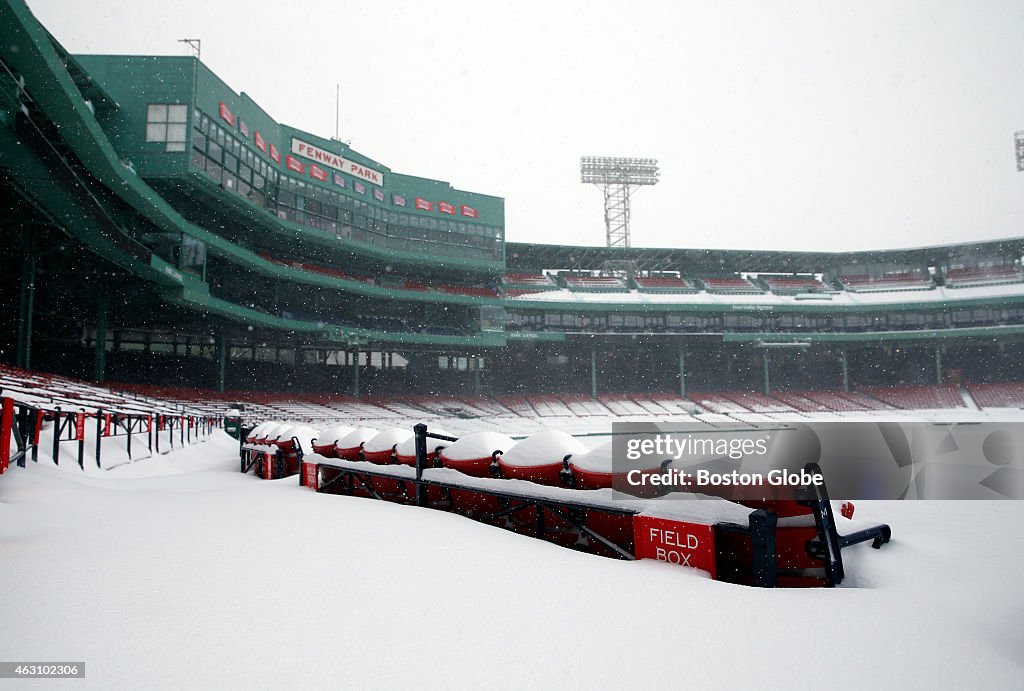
800,402
899,280
1003,395
316,268
791,285
472,291
730,285
758,403
584,406
550,406
968,277
595,284
941,396
621,404
717,402
845,402
664,284
516,284
50,391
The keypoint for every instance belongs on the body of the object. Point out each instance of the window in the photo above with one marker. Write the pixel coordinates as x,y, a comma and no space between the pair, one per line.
166,123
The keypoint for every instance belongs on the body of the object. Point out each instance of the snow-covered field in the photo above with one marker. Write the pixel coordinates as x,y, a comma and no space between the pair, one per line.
178,572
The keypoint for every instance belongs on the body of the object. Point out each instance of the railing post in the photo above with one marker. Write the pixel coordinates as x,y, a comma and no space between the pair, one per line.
762,538
37,421
80,436
56,436
420,430
6,422
99,435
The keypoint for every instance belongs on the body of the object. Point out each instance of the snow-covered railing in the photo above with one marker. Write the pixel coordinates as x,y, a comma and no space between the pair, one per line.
21,425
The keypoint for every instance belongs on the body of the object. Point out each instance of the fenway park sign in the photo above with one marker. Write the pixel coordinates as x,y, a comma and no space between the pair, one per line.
332,160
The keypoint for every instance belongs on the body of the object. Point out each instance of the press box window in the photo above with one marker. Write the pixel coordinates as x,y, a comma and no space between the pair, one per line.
168,124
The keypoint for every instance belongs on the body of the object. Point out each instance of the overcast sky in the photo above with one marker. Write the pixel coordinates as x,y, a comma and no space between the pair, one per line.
781,125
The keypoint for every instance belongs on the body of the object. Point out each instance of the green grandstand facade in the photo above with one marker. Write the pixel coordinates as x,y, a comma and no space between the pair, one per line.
162,227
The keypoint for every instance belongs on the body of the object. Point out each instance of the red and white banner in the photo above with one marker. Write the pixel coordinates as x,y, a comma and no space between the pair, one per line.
359,187
675,542
293,163
468,211
397,200
79,426
106,424
338,180
317,172
275,154
423,205
226,114
378,194
243,128
261,143
333,160
446,208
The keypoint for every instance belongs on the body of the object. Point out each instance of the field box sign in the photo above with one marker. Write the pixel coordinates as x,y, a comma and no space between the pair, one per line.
675,542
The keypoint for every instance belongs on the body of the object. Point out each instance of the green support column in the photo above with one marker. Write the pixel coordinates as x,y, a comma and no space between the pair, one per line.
682,373
938,364
222,361
476,376
846,370
355,371
26,308
767,380
100,343
593,371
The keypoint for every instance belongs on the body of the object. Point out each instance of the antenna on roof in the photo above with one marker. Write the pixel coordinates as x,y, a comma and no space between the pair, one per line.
337,109
195,44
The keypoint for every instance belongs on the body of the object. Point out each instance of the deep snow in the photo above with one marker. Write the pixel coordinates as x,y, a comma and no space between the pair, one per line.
179,572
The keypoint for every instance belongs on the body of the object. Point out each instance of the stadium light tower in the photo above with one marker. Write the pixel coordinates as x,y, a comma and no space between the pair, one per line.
617,177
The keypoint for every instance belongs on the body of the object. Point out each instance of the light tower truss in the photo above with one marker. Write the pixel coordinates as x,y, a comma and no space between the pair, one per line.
617,178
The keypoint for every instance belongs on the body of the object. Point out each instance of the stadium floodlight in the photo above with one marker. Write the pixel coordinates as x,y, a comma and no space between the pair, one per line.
617,177
1018,140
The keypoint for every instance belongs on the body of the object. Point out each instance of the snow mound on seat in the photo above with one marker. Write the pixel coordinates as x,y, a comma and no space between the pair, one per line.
545,448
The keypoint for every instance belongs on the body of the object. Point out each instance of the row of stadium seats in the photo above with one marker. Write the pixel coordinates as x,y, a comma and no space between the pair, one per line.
450,288
966,277
920,397
903,280
49,391
516,284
